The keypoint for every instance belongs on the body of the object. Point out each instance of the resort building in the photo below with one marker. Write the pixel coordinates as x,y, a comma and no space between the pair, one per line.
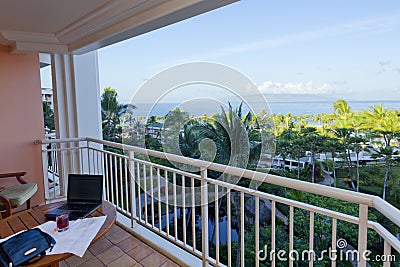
47,97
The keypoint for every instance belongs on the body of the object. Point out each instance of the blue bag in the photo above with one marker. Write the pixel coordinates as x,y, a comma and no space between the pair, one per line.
23,247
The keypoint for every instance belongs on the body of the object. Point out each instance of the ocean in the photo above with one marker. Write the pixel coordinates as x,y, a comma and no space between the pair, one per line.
295,108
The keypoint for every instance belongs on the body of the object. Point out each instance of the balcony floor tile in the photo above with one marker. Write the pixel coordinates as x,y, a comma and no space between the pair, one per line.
119,248
154,259
100,246
128,244
140,252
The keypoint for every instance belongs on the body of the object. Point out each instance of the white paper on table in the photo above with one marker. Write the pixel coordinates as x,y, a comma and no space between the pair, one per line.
77,238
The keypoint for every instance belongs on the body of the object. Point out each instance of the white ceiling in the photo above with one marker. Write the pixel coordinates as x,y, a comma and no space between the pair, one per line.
78,26
46,16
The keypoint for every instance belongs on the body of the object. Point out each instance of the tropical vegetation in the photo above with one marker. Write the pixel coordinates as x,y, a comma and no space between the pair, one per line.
48,116
331,146
111,114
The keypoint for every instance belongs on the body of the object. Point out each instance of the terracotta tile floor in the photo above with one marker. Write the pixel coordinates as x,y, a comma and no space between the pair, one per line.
119,248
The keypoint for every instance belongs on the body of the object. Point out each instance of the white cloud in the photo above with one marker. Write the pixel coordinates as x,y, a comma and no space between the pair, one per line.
385,66
383,63
270,87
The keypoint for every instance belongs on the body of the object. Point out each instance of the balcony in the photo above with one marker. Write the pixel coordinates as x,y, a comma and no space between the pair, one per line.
181,220
119,248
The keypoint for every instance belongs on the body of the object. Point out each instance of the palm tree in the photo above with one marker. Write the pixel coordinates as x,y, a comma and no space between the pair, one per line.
314,143
190,138
334,146
283,147
384,123
136,130
237,129
386,153
111,113
342,129
342,109
172,128
282,123
358,143
324,122
298,150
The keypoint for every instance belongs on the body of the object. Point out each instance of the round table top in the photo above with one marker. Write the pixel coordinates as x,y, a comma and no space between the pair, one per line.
30,218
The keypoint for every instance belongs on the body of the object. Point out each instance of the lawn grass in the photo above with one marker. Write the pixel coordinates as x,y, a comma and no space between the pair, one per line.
372,180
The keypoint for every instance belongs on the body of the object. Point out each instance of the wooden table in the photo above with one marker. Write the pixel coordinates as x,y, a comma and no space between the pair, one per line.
33,217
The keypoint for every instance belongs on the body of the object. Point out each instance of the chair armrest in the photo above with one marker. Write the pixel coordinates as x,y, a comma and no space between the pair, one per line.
7,204
17,175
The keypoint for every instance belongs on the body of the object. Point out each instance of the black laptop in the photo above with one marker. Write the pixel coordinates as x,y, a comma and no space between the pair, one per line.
84,195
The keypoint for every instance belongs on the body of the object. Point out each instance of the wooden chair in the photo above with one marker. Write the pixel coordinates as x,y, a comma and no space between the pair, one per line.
16,195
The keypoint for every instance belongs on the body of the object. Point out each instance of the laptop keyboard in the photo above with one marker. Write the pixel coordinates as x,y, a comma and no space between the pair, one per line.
80,207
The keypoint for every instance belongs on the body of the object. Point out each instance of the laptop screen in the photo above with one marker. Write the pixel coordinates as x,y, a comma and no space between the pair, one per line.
85,188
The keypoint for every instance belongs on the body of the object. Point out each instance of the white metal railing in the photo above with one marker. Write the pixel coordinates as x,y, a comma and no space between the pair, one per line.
153,196
52,164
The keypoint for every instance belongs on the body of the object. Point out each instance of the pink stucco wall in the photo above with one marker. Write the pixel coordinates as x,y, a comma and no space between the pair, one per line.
21,118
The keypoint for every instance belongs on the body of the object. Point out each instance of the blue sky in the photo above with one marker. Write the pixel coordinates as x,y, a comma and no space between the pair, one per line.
348,49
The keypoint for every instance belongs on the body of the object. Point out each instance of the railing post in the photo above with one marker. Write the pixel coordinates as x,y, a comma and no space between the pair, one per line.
204,217
88,157
363,234
387,251
46,172
132,182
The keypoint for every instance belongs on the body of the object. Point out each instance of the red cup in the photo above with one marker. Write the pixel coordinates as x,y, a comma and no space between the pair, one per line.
62,222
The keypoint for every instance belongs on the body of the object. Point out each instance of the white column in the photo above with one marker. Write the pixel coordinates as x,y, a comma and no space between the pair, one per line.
88,95
86,73
65,115
76,95
76,103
